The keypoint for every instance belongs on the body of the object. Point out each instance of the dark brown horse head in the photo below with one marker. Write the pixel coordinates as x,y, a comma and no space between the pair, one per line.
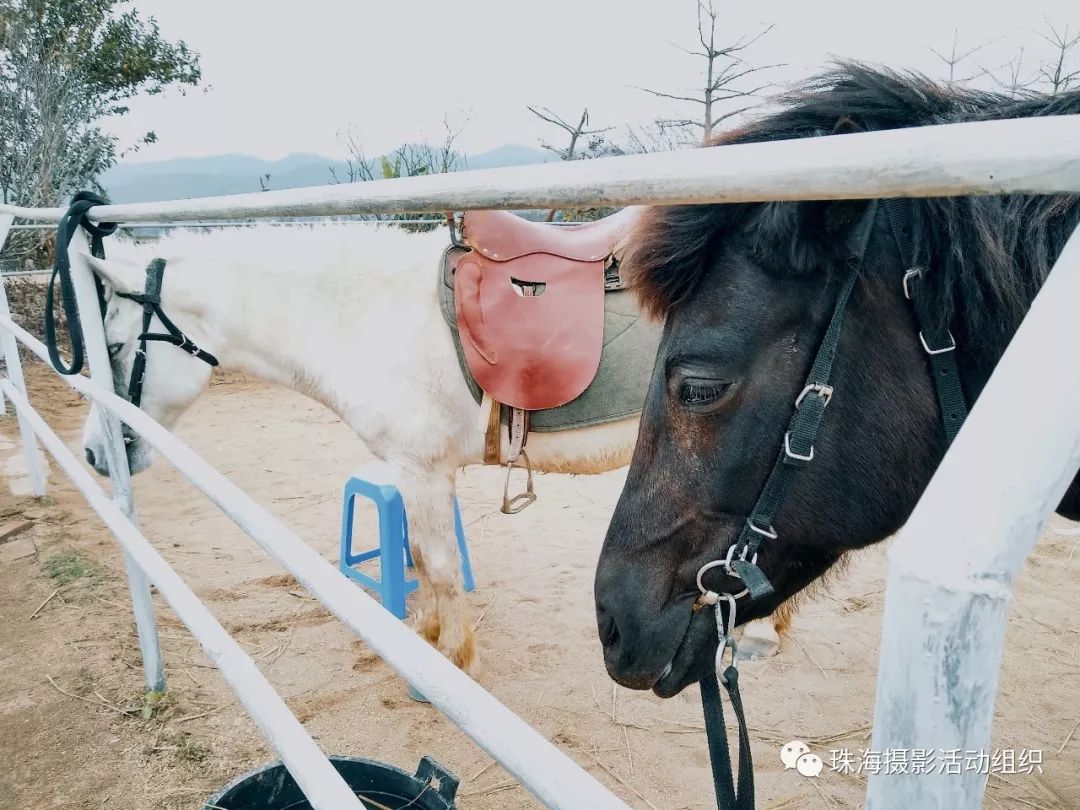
746,293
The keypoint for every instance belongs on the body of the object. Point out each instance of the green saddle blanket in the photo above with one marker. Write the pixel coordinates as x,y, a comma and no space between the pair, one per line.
621,382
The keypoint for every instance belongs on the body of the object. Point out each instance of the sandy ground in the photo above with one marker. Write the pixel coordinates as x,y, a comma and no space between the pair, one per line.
71,735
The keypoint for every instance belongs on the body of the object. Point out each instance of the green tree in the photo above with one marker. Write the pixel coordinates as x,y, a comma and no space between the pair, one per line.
65,65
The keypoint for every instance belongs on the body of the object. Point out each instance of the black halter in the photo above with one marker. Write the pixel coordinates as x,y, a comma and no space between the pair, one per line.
796,453
150,299
151,304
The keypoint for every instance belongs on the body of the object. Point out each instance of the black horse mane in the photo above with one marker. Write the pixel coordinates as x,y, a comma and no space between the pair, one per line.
989,255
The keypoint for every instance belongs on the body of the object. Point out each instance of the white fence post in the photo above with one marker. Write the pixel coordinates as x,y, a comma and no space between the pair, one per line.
35,465
97,359
952,569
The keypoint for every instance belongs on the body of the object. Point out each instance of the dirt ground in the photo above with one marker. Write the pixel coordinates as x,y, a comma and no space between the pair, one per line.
73,732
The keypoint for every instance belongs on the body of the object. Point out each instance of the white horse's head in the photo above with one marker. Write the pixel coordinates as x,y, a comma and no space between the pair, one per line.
172,380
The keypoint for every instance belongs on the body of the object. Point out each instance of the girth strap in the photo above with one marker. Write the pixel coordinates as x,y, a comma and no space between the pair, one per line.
939,345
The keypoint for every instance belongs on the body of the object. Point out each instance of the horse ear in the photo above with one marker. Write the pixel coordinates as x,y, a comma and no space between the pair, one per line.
847,126
803,237
116,275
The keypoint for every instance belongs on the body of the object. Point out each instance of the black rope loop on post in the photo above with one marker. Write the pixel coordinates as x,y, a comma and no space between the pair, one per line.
75,217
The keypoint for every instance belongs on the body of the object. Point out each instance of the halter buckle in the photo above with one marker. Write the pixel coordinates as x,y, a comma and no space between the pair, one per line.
742,556
821,389
942,350
914,272
792,454
769,532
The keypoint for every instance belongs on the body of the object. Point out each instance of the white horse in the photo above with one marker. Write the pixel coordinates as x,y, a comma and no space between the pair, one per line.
349,316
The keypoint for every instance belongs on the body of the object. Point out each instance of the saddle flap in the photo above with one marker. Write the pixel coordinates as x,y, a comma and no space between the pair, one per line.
532,328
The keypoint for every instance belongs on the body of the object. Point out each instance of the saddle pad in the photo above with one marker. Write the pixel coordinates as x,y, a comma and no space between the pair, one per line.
618,389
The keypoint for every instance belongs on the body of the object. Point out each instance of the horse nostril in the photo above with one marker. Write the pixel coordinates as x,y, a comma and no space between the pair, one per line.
90,458
609,630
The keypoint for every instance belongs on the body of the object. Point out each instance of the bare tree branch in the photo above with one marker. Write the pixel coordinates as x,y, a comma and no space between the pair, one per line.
725,68
720,119
691,99
407,160
1013,82
1057,73
547,115
596,146
955,57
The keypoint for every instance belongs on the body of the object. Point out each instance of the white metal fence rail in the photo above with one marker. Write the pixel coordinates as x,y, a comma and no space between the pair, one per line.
314,773
918,693
1036,156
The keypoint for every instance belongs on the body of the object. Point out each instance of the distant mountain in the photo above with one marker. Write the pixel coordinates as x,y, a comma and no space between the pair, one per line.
235,174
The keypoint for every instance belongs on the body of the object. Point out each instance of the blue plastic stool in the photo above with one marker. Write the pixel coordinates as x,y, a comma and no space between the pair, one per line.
393,551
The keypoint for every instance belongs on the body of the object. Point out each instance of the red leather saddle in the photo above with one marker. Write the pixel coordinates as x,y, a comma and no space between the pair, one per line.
530,304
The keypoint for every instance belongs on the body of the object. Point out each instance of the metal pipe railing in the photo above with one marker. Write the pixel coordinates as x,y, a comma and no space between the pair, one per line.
321,783
35,464
1030,155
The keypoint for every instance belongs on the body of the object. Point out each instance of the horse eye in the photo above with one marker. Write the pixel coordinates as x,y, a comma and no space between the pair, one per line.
698,393
114,349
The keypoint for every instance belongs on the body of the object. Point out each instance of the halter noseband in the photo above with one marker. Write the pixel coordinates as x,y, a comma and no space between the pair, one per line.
151,304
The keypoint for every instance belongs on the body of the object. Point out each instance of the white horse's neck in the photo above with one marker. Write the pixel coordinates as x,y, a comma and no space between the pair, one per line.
305,308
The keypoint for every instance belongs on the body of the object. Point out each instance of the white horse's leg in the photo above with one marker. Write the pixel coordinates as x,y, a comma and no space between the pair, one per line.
444,621
761,637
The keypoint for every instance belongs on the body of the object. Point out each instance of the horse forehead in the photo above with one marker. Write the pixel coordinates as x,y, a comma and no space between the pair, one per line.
730,293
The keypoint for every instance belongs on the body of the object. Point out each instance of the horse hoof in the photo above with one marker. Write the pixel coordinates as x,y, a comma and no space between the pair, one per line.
757,649
417,696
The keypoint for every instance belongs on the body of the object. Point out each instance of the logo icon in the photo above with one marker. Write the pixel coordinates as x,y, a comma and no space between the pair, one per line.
791,752
796,754
809,765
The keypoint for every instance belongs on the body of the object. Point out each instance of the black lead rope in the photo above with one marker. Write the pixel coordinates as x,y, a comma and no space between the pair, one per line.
74,218
727,796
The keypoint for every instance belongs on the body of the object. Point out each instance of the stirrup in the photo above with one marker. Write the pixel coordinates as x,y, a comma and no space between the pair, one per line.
511,506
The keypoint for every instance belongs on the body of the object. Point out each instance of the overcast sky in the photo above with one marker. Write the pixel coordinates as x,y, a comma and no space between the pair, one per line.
282,77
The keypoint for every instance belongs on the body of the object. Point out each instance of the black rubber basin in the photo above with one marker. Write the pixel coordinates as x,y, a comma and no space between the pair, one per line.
378,786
